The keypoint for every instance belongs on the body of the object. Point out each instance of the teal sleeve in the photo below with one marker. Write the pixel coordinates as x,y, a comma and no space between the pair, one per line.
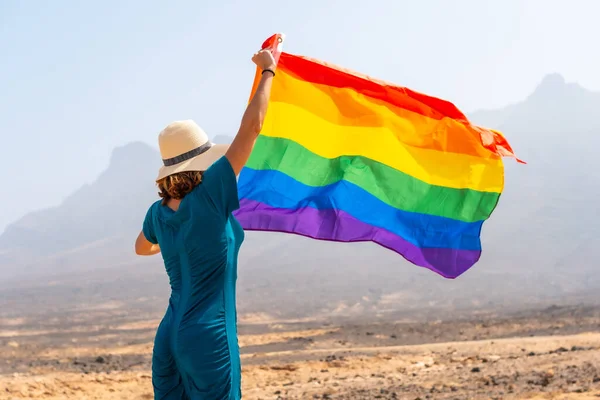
148,227
220,183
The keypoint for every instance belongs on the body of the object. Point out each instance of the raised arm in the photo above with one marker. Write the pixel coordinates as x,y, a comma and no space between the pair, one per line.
254,116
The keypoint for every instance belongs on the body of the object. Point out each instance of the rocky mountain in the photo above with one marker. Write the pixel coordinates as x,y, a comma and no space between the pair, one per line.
93,227
548,216
538,245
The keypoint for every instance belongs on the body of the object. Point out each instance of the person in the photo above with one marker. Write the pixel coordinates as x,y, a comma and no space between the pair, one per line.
196,353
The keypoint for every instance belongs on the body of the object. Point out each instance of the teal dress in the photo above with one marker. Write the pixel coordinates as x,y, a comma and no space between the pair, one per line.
196,354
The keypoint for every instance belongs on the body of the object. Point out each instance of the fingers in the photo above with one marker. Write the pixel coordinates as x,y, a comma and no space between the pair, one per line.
258,53
264,58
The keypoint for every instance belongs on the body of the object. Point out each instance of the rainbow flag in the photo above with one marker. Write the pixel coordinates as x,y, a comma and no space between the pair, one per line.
348,158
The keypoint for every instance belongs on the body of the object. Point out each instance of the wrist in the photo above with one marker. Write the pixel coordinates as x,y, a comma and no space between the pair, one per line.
268,71
272,67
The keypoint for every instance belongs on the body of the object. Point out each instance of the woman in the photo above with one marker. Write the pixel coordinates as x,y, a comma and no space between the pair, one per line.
196,353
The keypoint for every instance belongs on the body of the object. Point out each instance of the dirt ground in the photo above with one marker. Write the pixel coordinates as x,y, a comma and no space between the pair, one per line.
105,354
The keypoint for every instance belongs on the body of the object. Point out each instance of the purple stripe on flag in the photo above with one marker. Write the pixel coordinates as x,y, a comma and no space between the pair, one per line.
340,226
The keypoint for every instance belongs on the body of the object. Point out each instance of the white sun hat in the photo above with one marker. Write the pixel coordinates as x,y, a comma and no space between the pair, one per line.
184,146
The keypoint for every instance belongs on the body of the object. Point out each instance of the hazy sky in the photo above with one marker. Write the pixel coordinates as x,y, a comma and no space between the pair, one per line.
80,78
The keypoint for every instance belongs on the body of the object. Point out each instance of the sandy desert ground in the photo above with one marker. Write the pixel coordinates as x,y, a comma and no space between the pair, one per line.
104,353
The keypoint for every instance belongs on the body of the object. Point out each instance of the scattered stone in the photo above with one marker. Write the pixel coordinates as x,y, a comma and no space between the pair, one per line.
579,389
287,367
476,369
559,350
303,339
580,348
546,378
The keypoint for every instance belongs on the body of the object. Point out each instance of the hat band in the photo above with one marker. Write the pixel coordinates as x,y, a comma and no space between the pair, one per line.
186,156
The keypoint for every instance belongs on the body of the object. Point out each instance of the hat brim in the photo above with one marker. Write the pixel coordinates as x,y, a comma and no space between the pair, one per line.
198,163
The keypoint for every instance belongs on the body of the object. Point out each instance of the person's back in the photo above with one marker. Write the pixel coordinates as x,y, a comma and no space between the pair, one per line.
199,244
196,354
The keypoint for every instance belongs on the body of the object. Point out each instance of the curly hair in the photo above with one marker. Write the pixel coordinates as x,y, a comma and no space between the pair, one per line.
176,186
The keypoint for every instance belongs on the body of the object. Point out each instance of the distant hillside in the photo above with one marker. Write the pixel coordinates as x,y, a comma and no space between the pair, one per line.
538,245
548,216
94,227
